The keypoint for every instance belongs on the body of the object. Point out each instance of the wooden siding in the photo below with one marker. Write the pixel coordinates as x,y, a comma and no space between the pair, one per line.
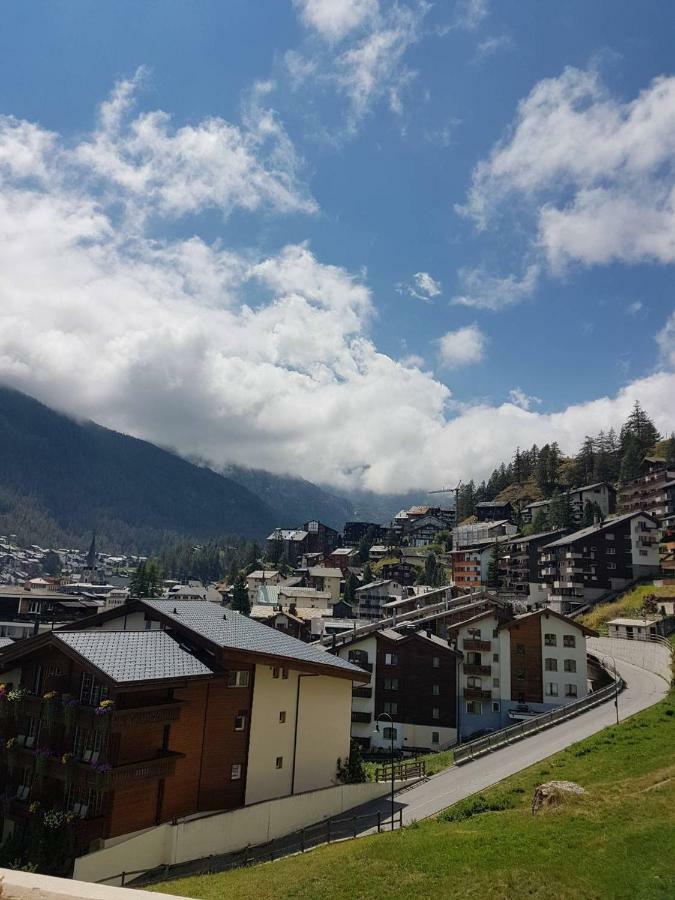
528,663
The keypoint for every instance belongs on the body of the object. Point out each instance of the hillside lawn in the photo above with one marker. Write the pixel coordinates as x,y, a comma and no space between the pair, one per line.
628,605
617,841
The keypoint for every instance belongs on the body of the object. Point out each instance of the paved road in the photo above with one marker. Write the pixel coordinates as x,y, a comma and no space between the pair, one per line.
643,689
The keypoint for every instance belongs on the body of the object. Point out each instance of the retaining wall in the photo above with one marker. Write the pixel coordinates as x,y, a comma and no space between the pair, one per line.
651,655
223,832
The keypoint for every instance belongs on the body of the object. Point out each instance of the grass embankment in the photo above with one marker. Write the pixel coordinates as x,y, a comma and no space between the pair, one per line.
435,762
616,841
629,605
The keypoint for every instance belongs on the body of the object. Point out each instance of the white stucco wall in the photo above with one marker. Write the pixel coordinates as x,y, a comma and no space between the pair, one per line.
554,625
322,734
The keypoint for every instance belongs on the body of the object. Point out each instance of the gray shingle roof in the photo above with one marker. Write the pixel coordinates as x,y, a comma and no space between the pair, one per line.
231,630
129,656
596,529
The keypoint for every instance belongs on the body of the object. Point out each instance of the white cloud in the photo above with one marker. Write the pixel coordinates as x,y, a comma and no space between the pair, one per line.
634,308
484,291
333,19
595,173
233,357
146,162
666,343
462,347
518,397
422,286
469,14
492,45
366,68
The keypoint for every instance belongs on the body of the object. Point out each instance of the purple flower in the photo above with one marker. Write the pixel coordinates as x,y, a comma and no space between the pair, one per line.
43,753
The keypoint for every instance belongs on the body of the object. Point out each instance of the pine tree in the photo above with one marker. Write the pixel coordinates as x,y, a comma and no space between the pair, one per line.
669,451
540,521
640,427
556,510
367,574
493,567
234,571
589,514
351,584
630,459
138,582
240,599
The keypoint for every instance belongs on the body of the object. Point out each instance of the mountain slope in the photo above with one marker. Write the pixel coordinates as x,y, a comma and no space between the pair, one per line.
67,477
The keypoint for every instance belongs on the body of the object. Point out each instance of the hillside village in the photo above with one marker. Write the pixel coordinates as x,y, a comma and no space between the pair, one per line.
439,626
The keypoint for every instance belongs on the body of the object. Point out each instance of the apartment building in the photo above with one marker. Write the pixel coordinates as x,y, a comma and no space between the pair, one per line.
371,598
494,511
413,680
162,709
602,494
515,667
653,491
519,566
354,532
468,535
587,563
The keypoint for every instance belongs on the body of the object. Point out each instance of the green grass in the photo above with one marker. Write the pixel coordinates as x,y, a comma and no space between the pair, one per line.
628,605
614,842
435,762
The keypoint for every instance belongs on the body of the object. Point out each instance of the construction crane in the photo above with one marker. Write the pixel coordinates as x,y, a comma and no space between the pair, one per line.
449,490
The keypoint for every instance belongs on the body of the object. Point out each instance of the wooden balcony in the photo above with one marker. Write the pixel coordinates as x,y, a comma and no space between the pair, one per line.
365,693
158,767
470,669
362,718
476,645
474,693
161,713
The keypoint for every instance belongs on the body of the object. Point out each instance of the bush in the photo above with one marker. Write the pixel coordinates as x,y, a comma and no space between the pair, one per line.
476,806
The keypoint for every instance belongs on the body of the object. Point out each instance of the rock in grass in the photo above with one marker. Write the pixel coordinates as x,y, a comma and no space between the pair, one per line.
553,793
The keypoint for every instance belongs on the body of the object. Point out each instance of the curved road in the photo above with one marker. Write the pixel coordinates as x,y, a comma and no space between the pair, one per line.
642,690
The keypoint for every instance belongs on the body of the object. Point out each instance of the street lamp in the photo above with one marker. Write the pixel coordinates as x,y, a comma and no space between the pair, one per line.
616,684
391,735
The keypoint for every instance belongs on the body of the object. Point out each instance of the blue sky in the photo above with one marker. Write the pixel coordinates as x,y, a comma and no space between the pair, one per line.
486,186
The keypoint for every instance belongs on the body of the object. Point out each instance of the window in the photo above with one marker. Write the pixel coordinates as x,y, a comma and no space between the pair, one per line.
473,659
570,665
569,640
434,737
495,682
391,684
435,662
25,781
87,745
551,689
611,565
240,721
495,706
435,713
495,632
551,664
611,551
550,640
282,717
474,707
235,772
435,690
475,633
389,734
474,681
54,671
520,674
29,738
495,657
390,707
83,801
520,649
91,691
275,672
609,537
284,672
279,762
390,659
358,657
238,678
570,690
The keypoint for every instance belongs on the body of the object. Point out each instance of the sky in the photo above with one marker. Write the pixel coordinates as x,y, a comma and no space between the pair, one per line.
377,245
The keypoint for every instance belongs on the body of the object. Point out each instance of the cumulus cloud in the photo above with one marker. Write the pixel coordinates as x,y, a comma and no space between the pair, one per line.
666,342
484,291
257,359
634,308
422,286
368,65
594,173
333,19
462,347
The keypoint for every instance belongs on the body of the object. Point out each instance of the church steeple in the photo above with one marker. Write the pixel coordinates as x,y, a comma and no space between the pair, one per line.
91,555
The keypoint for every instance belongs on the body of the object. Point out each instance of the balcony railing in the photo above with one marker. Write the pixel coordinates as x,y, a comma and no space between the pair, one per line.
471,669
476,645
364,693
158,767
473,693
361,717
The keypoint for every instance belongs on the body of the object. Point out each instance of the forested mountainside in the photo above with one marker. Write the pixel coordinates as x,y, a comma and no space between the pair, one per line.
540,472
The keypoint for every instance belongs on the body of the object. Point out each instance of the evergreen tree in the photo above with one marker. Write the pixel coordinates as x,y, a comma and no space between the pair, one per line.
232,575
351,584
540,521
556,510
630,459
493,567
275,550
589,514
641,428
367,574
153,579
669,451
138,582
366,543
584,462
240,599
51,564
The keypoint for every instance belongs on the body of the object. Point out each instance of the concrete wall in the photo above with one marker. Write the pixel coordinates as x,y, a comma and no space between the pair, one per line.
653,656
27,886
224,832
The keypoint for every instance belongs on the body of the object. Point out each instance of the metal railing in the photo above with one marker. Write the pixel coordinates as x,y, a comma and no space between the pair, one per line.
402,771
474,749
326,832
